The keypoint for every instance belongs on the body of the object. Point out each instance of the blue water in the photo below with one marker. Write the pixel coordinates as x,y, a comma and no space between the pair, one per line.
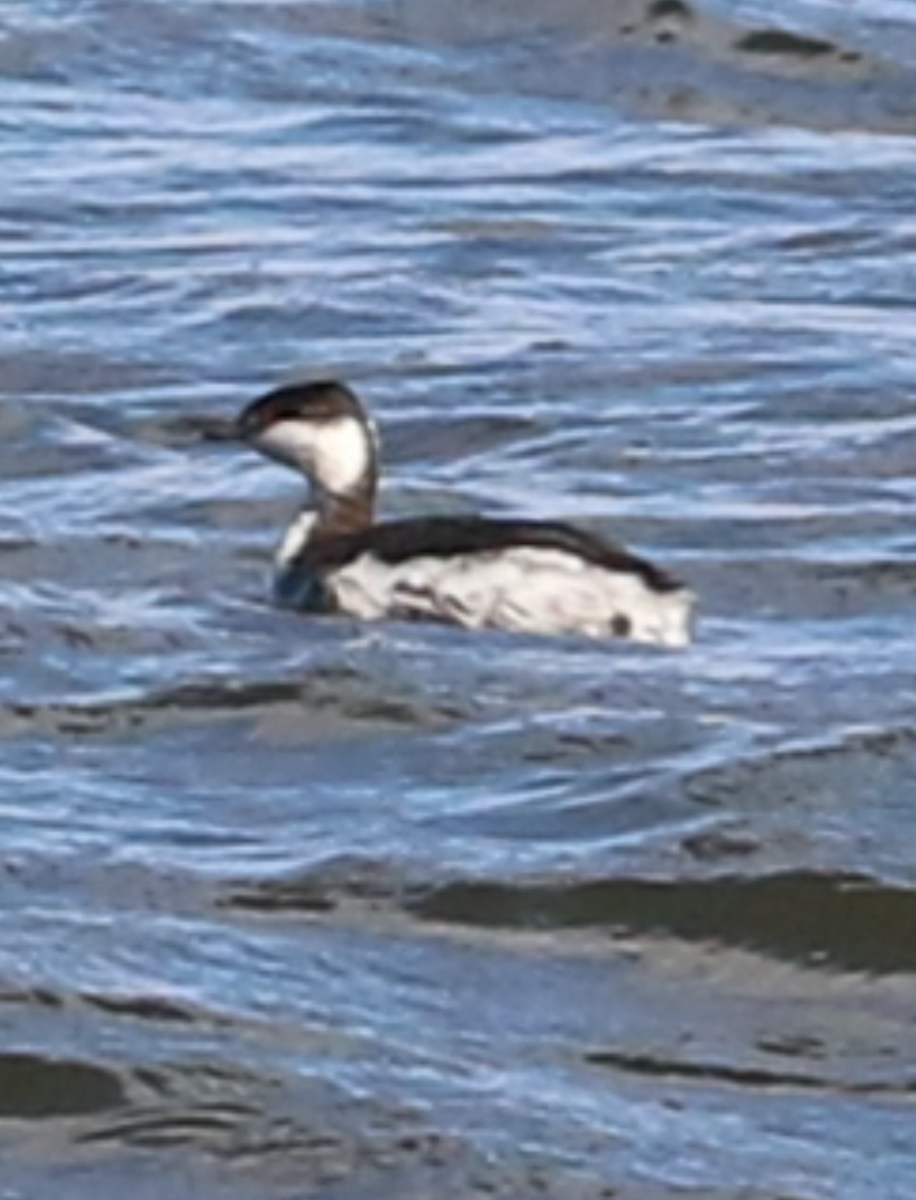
299,907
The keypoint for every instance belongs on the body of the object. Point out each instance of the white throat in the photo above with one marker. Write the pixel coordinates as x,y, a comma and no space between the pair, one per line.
336,455
295,539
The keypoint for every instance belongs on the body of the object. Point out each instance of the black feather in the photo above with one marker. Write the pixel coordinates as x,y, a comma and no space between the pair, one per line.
318,400
426,537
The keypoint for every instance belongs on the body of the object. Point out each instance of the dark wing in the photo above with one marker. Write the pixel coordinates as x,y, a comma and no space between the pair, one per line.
426,537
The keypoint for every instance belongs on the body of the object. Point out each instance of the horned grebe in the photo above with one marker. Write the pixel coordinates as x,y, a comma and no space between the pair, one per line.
519,575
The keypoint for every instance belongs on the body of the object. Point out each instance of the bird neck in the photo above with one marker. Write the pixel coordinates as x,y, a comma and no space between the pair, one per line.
332,516
340,513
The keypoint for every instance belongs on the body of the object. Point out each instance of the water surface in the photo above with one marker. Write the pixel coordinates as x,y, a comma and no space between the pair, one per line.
299,908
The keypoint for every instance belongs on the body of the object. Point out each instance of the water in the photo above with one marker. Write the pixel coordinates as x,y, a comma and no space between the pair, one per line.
302,908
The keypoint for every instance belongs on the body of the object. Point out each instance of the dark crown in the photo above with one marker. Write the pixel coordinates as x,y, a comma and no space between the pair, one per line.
319,400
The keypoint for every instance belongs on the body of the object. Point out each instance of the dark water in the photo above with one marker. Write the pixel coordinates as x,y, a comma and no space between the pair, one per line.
297,908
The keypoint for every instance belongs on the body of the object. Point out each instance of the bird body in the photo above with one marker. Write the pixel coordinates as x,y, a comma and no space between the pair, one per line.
483,573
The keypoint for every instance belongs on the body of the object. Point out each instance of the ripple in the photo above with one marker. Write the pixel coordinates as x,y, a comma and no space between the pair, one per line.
821,921
676,61
832,922
757,1079
36,1088
330,701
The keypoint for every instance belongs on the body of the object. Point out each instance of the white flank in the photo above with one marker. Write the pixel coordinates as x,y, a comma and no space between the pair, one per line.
525,589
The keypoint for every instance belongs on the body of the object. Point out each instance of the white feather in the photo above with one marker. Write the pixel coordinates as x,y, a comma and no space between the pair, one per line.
524,589
295,539
337,453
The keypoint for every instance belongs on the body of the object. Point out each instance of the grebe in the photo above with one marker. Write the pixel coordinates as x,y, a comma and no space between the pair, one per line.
525,576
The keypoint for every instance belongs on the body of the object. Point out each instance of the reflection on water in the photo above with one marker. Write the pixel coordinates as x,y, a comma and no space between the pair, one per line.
305,907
